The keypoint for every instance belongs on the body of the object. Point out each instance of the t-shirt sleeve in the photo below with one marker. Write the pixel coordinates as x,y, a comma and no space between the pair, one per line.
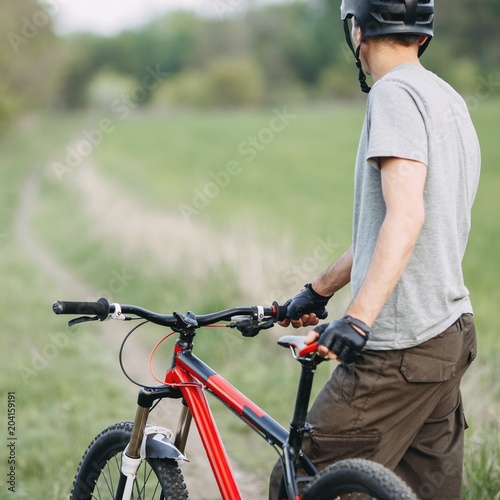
396,125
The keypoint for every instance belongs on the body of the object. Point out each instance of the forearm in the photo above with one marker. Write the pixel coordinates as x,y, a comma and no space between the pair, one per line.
303,308
336,276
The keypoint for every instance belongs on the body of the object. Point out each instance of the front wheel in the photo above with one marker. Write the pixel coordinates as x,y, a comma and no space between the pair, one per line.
99,474
357,478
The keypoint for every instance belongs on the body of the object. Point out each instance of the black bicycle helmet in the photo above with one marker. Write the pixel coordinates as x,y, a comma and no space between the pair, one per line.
388,17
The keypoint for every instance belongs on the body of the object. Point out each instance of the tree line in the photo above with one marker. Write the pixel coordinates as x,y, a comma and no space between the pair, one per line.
287,51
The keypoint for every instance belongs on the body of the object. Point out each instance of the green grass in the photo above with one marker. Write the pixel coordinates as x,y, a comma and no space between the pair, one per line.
481,260
482,468
50,369
298,186
168,159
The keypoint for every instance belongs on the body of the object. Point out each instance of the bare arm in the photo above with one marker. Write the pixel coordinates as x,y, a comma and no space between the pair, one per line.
336,276
403,191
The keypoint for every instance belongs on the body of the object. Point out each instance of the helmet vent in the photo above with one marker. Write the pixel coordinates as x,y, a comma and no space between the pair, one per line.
391,18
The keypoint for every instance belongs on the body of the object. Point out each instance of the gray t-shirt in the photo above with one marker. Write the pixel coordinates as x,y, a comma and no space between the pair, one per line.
413,114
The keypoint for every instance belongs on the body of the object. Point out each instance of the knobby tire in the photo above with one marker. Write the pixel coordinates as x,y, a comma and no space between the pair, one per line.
99,473
357,479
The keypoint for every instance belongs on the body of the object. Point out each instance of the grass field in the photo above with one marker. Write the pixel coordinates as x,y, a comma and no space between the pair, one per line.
198,212
42,363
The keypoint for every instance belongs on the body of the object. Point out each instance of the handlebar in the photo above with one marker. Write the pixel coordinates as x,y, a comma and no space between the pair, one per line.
249,320
102,310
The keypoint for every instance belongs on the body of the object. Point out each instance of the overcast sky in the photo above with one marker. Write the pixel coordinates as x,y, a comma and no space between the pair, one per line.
111,16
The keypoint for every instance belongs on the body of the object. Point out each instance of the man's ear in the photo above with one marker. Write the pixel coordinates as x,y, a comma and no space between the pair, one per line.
422,40
357,36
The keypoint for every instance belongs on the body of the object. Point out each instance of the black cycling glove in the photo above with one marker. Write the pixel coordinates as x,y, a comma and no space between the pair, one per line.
307,301
341,338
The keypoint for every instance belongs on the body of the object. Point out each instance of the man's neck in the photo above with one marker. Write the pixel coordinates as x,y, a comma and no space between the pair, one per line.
380,59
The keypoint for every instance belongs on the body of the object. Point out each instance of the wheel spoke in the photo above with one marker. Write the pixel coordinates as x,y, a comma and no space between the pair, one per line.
99,476
107,477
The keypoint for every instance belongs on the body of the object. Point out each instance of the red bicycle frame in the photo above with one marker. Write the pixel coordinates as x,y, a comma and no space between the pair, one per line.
193,377
188,377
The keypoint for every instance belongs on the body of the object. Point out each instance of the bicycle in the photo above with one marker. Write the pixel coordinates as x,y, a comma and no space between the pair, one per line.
140,461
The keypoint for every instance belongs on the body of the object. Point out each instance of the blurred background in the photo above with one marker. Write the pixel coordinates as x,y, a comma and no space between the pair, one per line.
197,155
65,55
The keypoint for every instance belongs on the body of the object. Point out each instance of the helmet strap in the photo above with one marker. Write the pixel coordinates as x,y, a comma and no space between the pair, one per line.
361,77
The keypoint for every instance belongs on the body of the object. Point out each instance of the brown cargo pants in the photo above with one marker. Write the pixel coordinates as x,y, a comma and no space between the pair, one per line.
402,409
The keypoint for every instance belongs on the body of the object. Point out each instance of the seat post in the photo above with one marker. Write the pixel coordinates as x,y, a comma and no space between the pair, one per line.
298,424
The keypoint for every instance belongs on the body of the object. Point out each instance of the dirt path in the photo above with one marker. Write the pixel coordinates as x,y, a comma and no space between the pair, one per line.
171,242
197,473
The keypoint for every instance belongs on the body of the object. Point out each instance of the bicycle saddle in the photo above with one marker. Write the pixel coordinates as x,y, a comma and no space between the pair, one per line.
295,341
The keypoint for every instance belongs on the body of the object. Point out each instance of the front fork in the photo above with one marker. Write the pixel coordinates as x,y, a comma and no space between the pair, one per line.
131,458
182,432
135,452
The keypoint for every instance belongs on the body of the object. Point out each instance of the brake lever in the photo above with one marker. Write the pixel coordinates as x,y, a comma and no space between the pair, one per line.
82,319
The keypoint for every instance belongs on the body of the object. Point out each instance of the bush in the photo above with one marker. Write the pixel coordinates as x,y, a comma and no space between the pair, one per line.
336,83
233,83
107,86
186,89
225,83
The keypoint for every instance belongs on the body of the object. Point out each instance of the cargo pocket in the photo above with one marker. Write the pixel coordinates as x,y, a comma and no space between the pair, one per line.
416,368
325,449
435,360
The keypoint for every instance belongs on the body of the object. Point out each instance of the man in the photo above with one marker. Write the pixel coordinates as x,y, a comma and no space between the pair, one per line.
408,335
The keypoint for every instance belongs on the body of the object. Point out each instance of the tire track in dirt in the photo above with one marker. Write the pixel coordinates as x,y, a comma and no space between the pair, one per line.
171,242
198,475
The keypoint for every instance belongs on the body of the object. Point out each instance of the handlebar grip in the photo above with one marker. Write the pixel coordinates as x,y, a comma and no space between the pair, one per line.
100,308
280,313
